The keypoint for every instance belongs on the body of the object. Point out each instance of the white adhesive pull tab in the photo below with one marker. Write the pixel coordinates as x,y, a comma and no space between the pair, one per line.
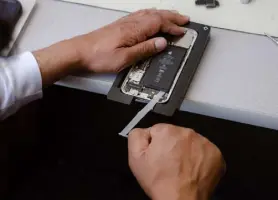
142,114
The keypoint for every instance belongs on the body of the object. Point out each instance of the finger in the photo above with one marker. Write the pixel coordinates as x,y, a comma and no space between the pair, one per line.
144,50
174,17
173,29
162,130
171,132
138,140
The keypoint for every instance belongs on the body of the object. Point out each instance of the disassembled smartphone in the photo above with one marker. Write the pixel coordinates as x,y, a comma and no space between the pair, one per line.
161,73
170,71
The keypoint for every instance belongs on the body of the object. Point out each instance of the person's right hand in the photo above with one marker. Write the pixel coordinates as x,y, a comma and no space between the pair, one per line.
174,163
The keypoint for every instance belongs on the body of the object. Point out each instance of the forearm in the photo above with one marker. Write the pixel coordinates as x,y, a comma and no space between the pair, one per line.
57,61
22,77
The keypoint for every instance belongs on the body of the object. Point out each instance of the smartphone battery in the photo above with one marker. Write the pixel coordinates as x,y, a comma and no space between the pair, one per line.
164,68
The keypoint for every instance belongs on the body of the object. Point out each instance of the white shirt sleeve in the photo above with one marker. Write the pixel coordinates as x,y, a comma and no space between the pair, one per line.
20,83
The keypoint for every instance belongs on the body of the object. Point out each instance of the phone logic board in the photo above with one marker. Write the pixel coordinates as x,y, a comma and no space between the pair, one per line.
170,71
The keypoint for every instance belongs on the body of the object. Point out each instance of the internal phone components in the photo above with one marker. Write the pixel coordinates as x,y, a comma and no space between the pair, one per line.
161,72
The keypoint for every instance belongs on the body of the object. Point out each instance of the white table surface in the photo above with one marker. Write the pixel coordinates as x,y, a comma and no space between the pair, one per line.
237,78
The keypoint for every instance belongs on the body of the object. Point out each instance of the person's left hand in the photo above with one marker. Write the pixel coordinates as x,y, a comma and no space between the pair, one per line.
122,43
111,48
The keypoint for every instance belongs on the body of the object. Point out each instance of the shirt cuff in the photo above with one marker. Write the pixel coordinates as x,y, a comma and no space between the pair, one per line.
26,76
22,83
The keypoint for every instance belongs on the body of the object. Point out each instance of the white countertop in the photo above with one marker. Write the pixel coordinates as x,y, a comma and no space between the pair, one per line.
237,78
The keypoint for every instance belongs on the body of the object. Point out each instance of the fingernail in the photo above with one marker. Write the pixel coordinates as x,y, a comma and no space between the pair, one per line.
160,44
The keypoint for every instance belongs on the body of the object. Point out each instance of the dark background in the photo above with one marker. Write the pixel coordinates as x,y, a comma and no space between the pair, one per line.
66,147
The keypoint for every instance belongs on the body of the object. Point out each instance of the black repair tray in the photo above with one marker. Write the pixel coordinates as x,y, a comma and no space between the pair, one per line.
184,81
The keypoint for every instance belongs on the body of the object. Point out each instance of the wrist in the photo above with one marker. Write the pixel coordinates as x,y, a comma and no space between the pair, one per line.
57,61
178,194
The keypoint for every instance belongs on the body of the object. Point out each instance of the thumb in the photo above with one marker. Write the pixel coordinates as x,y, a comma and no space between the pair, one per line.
145,49
138,141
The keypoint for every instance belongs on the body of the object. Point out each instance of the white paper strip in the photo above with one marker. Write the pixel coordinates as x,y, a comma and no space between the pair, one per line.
141,114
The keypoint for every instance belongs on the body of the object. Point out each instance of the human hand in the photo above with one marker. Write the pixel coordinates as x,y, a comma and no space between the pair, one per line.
122,43
174,163
111,48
